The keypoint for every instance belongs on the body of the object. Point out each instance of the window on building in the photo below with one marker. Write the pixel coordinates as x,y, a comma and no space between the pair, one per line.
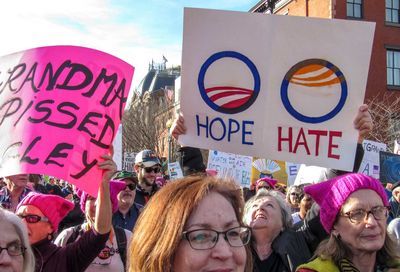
354,8
393,11
393,67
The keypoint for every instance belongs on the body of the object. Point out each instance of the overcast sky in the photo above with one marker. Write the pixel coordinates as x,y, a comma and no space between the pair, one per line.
136,31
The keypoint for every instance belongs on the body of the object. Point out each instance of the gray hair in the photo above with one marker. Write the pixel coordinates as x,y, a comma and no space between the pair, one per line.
22,232
286,216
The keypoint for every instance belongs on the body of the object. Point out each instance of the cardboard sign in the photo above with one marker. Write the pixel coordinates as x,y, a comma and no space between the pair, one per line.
230,165
117,144
174,170
60,107
265,86
370,163
129,161
389,167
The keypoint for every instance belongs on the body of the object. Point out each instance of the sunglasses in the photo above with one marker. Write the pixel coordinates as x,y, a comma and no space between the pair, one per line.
152,169
33,218
131,186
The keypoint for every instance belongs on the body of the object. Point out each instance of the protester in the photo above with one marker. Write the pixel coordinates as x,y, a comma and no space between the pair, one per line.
128,211
36,183
193,224
147,166
354,210
275,246
305,205
394,231
113,256
74,217
42,214
394,201
266,183
17,255
14,192
293,198
53,188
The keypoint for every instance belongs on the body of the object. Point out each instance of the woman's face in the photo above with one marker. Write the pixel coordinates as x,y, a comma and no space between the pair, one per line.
367,236
36,231
216,213
90,207
266,214
294,197
10,239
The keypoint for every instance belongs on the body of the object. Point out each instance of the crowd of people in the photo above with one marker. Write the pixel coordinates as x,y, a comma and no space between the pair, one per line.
202,222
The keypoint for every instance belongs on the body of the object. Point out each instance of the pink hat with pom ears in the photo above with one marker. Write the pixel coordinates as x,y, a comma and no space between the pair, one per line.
116,186
332,194
54,207
270,181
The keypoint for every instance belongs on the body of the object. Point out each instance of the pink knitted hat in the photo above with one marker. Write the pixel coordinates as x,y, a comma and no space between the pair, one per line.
116,186
54,207
332,194
270,181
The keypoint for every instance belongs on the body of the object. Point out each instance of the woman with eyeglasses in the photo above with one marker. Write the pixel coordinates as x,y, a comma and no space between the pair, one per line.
15,252
293,198
274,245
354,210
42,215
193,224
112,257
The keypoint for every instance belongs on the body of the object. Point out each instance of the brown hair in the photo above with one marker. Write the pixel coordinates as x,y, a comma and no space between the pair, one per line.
334,249
159,228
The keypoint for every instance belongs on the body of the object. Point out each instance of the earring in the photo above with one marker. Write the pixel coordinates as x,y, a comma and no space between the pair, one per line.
49,237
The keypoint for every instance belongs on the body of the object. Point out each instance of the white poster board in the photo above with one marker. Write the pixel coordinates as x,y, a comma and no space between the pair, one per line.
230,165
129,161
117,144
279,87
174,170
370,163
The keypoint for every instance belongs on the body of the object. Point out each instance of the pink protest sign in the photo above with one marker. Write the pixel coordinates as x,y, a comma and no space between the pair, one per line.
60,107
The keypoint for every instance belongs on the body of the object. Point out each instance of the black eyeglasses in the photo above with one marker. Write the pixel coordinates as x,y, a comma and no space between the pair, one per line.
152,169
33,218
131,186
203,239
357,216
13,249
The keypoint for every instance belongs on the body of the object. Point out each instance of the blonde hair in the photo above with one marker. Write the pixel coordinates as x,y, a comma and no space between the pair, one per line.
159,228
22,232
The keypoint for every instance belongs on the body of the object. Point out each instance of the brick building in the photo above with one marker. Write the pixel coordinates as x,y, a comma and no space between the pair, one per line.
384,71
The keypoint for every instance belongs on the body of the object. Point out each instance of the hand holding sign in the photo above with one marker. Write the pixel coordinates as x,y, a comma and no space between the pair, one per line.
363,122
178,127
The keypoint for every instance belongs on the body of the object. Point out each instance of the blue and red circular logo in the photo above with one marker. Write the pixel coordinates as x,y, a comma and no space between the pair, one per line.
314,77
226,98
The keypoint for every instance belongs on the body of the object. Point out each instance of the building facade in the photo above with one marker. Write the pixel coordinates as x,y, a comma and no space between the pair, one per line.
384,70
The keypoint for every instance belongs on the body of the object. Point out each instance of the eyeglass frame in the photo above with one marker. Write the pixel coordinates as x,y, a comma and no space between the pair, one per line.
21,247
41,219
367,213
186,237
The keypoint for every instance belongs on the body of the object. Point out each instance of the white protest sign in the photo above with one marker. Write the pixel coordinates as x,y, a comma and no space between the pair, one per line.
370,162
117,144
230,165
282,87
174,170
129,161
292,169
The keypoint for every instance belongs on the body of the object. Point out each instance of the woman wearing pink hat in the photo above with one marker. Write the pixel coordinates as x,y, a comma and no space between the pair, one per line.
42,214
354,210
113,256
